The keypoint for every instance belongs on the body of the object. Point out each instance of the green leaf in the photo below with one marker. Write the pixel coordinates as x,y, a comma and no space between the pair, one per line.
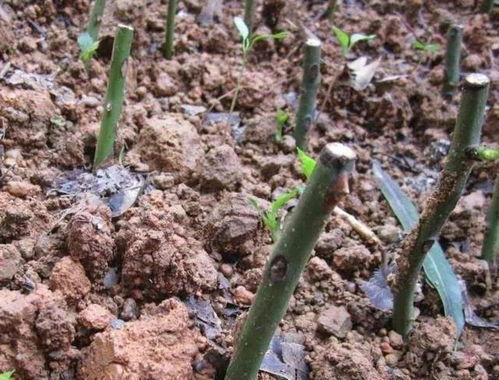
307,163
430,48
87,45
437,269
242,28
357,37
260,37
281,118
343,38
6,375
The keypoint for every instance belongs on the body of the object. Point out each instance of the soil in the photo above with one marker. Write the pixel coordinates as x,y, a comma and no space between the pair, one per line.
85,295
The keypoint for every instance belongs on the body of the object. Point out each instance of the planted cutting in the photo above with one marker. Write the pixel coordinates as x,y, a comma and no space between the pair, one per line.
311,80
452,60
442,201
490,249
113,101
170,29
328,184
249,40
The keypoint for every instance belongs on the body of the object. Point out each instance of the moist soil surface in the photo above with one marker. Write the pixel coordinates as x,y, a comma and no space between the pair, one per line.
161,291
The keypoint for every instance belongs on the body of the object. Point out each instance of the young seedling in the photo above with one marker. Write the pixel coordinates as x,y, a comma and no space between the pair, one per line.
170,28
347,41
490,249
427,48
89,40
281,119
270,217
248,41
248,14
443,200
452,59
305,114
328,184
113,102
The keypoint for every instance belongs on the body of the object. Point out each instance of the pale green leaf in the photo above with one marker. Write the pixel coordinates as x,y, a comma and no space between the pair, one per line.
437,269
242,28
357,37
6,375
307,163
281,118
343,38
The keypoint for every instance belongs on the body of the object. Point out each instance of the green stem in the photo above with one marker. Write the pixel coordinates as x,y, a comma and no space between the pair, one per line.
490,249
331,9
328,184
170,28
310,85
483,153
487,6
248,15
452,59
113,102
443,200
238,84
96,19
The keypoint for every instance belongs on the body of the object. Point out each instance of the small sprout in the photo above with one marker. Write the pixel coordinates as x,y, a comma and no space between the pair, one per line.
307,163
6,375
428,48
281,119
248,41
270,217
88,47
347,41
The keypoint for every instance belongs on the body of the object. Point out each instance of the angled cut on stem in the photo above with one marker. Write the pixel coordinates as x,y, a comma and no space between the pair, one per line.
328,184
490,248
170,28
95,19
443,200
305,114
452,59
113,102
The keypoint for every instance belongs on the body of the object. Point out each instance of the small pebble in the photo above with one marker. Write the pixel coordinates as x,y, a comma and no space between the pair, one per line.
243,296
117,324
226,269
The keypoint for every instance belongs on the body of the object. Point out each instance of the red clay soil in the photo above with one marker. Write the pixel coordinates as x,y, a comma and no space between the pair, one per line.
84,295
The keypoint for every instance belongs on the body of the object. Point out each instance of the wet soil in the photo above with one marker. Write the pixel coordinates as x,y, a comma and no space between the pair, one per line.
85,295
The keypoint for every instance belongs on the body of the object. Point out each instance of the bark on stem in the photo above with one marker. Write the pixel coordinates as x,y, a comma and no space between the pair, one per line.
443,200
452,59
490,249
170,28
328,184
113,102
305,114
96,19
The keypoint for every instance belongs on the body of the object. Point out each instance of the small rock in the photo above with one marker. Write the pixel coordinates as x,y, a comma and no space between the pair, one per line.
272,165
243,296
222,169
288,144
464,360
10,262
476,199
386,348
396,339
130,310
329,242
95,317
319,269
22,189
165,85
68,277
117,324
226,269
335,320
391,360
